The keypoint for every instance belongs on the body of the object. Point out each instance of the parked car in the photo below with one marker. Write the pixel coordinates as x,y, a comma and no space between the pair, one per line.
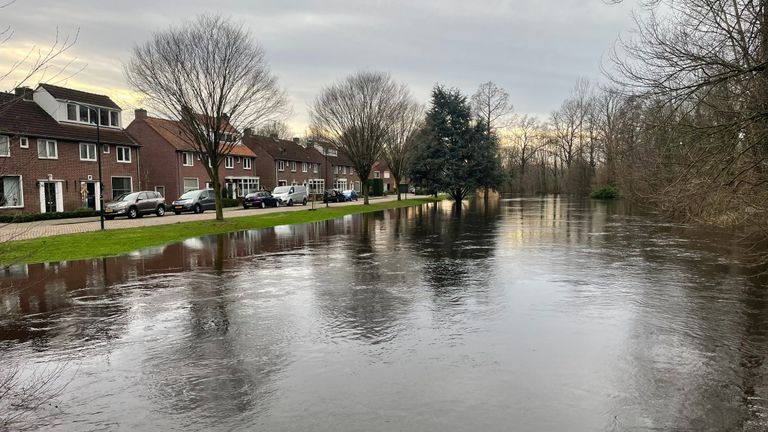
350,194
135,204
333,195
196,201
260,199
290,195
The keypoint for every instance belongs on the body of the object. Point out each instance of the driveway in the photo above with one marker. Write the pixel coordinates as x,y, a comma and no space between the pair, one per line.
30,230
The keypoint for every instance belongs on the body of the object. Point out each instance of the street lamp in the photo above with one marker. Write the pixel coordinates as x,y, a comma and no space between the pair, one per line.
98,158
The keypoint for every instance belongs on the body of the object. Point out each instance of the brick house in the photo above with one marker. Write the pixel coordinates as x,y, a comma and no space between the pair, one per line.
49,153
338,169
283,162
381,170
172,166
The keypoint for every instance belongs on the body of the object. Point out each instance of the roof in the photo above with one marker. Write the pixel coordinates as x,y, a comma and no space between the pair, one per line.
280,149
25,117
79,96
172,133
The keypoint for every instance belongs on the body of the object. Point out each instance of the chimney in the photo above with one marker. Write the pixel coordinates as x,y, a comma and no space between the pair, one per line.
140,114
297,141
273,135
24,93
247,132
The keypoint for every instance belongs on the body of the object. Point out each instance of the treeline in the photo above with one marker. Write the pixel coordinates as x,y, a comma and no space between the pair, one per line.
683,126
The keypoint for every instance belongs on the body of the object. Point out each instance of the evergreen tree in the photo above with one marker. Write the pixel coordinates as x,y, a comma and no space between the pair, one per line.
456,154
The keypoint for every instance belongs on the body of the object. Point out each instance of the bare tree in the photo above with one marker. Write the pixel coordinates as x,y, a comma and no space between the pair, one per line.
213,78
528,139
358,115
400,148
276,129
27,400
491,104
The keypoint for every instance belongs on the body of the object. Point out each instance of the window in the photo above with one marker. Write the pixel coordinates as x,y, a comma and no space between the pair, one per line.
386,174
103,117
246,163
229,162
304,167
332,152
105,148
121,185
87,152
191,184
281,165
24,142
335,169
72,112
123,154
10,192
377,174
344,170
5,146
293,166
160,190
84,113
47,149
114,118
351,170
282,183
315,168
187,159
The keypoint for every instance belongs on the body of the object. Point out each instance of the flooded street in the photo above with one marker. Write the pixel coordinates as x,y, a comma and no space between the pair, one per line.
527,314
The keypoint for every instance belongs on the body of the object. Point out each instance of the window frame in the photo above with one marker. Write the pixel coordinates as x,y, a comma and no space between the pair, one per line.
126,150
105,148
229,162
112,184
21,191
184,156
46,142
7,145
281,165
304,167
184,184
377,174
88,145
247,164
24,142
293,166
116,117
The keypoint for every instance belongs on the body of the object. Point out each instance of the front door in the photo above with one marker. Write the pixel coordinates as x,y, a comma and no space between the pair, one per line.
50,197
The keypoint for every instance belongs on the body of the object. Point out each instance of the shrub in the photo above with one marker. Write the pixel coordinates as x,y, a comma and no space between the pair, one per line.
32,217
605,193
376,187
230,202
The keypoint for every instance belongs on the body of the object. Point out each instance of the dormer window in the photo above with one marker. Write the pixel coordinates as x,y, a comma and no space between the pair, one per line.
85,114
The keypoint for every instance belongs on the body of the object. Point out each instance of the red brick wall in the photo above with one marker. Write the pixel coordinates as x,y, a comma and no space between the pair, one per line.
68,168
298,177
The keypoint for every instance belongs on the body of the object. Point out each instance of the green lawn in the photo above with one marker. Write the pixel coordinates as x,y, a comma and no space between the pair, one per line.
121,241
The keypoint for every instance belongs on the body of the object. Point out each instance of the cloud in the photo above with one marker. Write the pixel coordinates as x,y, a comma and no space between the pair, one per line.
534,49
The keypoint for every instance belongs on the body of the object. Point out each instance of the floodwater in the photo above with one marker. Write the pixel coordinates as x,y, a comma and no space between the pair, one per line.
542,314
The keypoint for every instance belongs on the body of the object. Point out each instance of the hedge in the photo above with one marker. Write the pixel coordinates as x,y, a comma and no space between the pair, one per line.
32,217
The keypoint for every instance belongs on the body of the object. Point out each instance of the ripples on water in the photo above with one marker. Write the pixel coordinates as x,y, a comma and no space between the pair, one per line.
528,314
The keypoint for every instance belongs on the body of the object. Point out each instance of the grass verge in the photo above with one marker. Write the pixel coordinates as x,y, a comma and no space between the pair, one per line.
69,247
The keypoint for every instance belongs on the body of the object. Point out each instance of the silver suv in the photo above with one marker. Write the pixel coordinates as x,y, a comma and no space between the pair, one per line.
135,204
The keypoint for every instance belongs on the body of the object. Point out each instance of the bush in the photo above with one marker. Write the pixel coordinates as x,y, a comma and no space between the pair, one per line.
376,187
605,193
32,217
230,202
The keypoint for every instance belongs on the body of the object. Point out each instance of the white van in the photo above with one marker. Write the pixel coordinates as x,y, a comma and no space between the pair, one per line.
290,195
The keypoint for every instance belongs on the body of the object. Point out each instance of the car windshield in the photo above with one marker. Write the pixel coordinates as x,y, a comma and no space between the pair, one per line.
127,197
190,194
281,189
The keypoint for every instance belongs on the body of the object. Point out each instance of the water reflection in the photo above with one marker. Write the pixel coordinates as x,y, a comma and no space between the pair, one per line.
543,313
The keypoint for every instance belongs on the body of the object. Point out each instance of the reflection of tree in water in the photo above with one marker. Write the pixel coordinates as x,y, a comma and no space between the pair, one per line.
457,247
363,291
696,356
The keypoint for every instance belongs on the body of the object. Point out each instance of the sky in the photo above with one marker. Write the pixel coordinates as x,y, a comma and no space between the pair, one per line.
535,49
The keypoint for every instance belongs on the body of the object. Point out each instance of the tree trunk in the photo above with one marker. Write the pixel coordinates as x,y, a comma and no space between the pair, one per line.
217,197
397,185
364,184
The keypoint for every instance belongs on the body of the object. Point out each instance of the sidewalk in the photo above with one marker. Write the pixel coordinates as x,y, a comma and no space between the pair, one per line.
30,230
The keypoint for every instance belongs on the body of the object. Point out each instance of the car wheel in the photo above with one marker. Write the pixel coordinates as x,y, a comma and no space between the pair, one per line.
245,207
263,205
304,202
160,212
133,213
198,209
290,202
177,213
